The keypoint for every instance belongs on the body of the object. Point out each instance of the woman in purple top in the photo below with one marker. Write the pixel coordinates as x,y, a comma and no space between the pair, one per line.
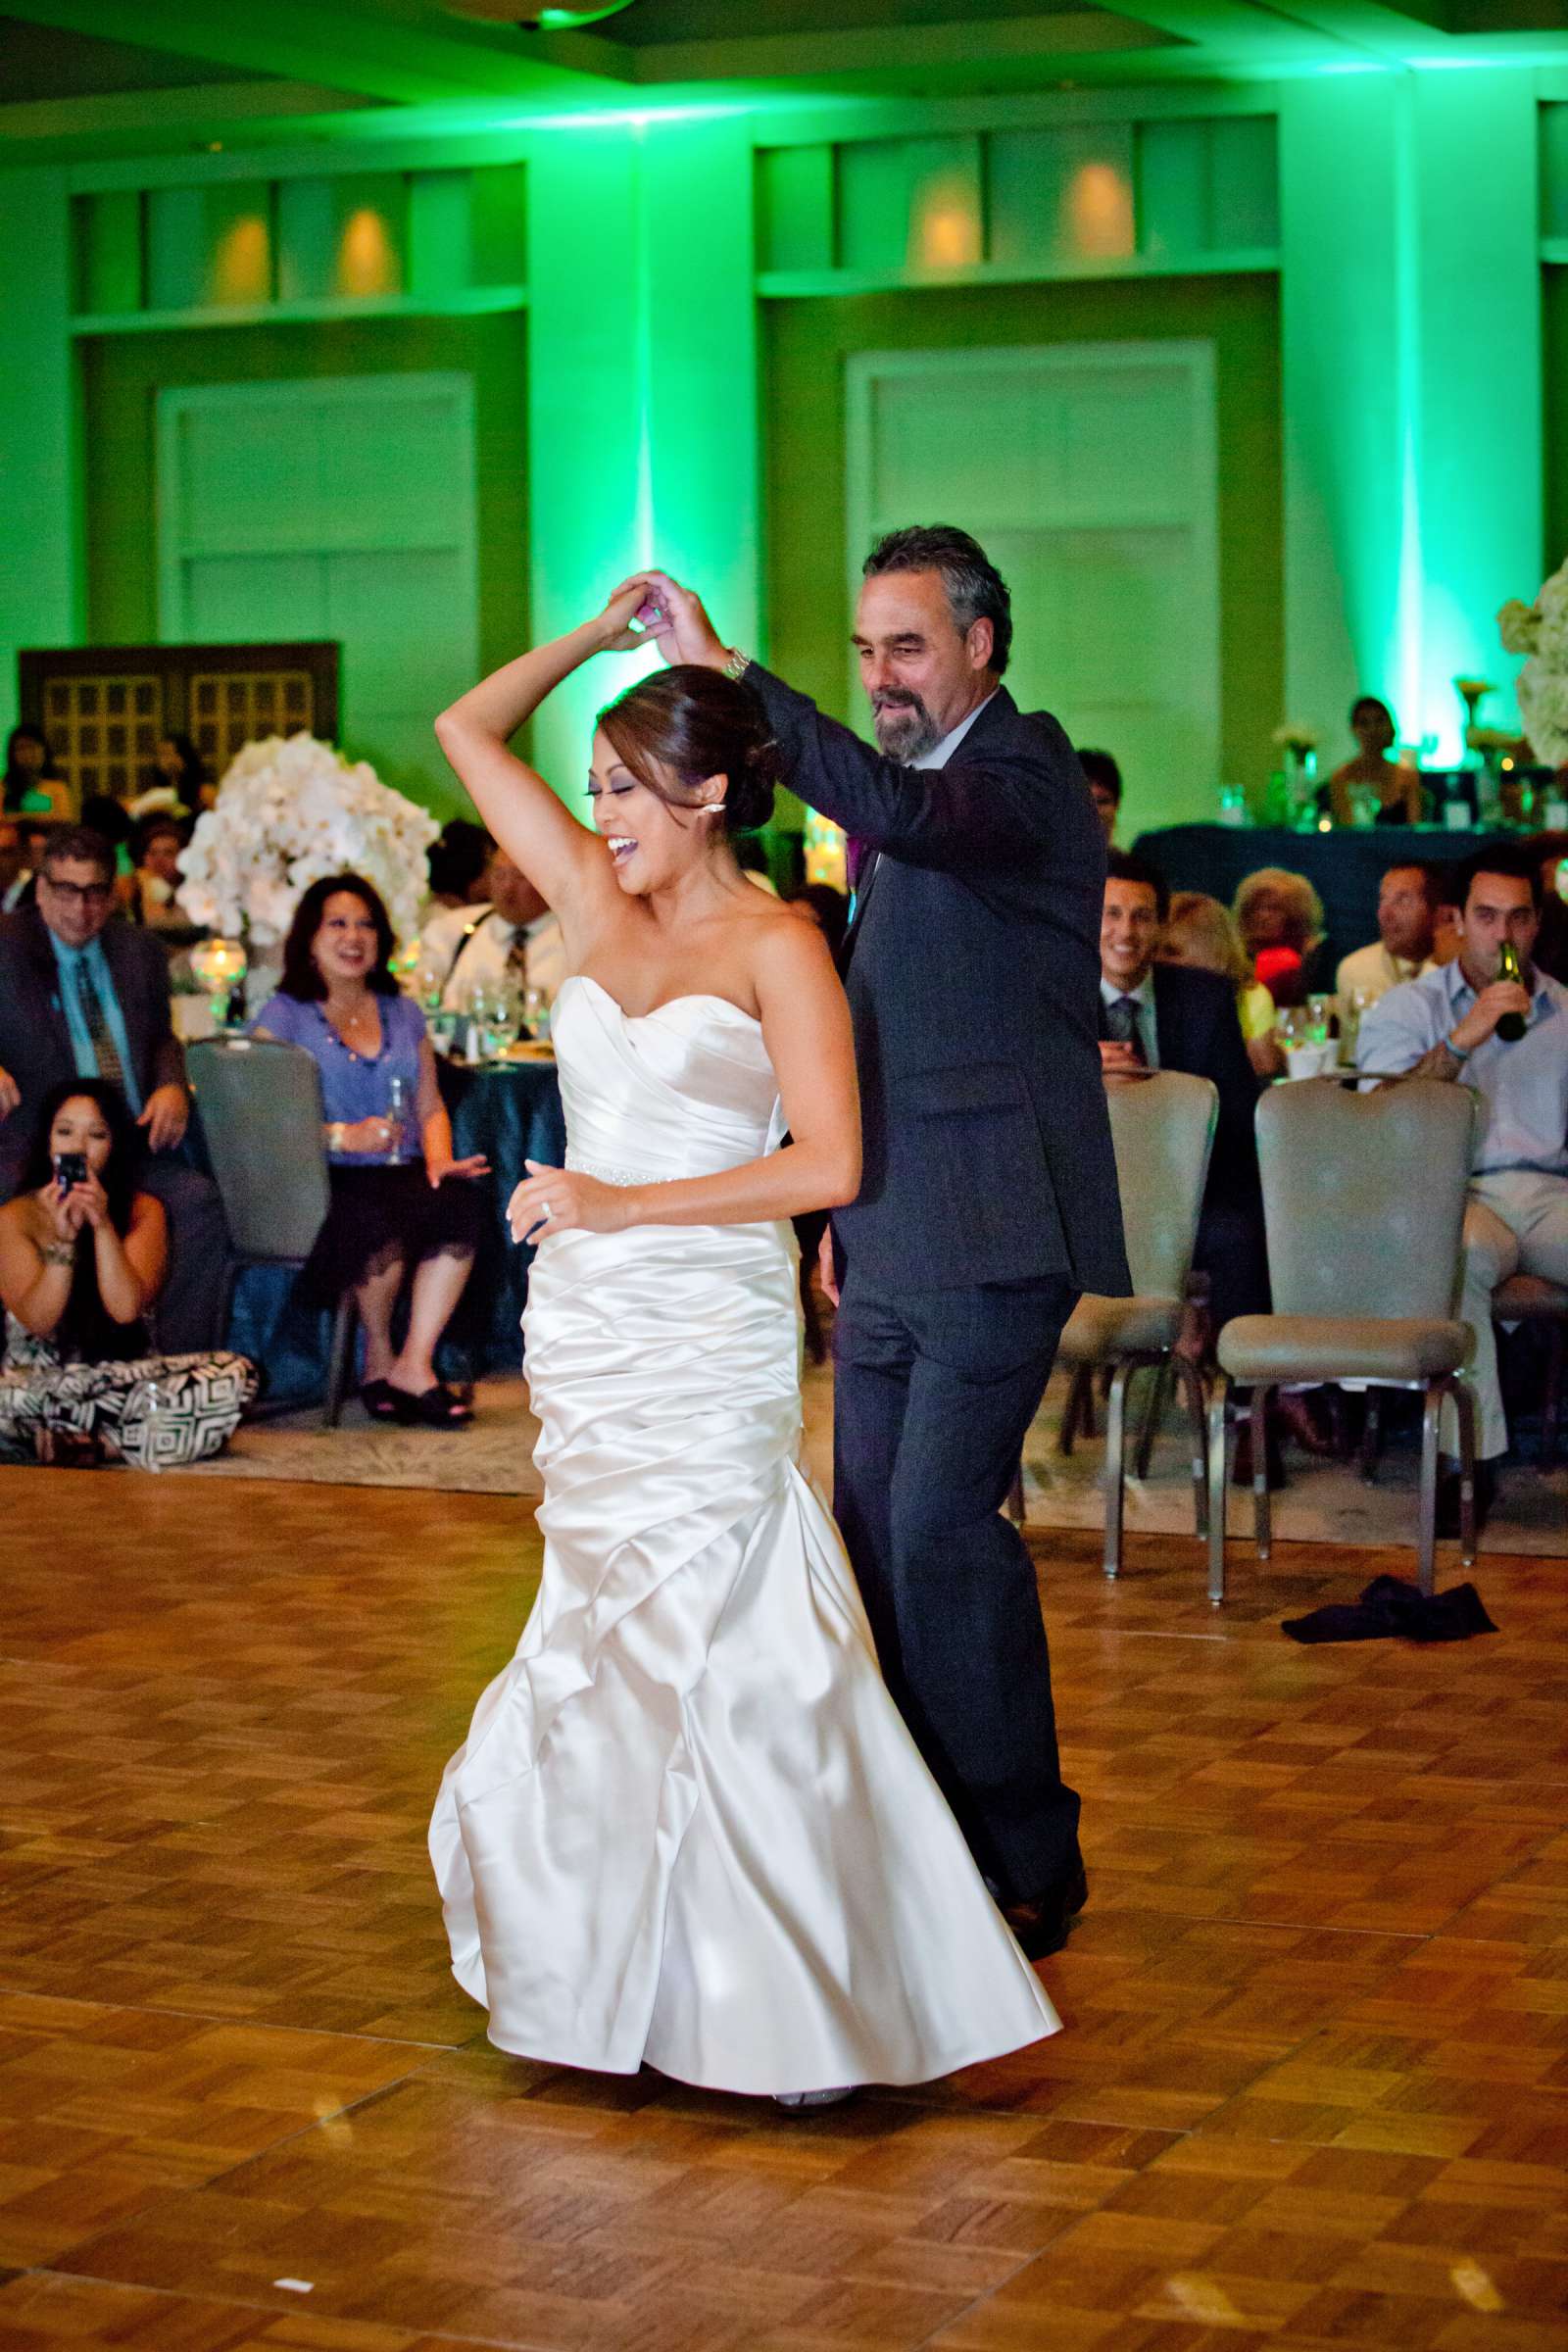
399,1198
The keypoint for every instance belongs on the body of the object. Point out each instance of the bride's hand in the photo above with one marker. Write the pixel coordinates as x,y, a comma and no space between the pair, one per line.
635,600
676,620
558,1199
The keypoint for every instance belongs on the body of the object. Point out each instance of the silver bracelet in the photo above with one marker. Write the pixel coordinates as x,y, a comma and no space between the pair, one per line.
57,1253
738,664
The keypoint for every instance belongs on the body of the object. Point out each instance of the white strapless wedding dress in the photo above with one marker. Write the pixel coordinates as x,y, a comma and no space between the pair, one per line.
688,1825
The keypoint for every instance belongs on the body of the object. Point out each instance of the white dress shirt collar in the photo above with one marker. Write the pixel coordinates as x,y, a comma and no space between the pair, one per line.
940,753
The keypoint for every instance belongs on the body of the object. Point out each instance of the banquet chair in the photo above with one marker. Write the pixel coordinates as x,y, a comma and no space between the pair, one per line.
1364,1269
261,1113
1161,1131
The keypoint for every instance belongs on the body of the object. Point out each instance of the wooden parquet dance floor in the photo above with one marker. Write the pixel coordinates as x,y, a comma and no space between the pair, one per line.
1312,2089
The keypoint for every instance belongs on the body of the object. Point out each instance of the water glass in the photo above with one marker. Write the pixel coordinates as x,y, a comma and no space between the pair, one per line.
397,1111
536,1013
1319,1016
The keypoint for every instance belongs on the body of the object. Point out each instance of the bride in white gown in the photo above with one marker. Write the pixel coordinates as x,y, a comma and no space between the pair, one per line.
688,1826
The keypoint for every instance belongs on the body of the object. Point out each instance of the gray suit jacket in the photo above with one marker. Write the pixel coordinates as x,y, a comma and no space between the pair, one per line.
36,1042
973,976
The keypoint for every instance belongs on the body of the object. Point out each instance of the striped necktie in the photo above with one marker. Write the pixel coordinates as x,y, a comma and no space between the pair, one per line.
1123,1025
105,1051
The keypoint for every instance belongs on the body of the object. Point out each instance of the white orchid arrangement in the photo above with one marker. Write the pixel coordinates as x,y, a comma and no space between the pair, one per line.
1296,736
288,812
1540,632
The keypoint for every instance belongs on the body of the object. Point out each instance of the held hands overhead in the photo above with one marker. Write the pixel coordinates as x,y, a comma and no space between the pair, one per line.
673,617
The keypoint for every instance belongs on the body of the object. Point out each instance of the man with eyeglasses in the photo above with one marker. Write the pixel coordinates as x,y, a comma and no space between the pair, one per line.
83,996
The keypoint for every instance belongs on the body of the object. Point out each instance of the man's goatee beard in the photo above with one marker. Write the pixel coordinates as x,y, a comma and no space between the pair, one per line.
903,734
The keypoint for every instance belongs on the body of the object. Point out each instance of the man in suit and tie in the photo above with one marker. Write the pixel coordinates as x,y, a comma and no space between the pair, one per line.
1172,1016
988,1199
81,995
508,935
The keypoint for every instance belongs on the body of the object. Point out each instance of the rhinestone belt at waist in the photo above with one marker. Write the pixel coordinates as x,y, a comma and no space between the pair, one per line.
605,1171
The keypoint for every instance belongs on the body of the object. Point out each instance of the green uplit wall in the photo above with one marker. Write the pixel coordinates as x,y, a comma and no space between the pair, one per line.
804,348
1554,336
121,377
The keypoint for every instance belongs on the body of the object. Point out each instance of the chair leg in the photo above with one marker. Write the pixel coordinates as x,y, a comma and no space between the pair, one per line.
1466,1406
1262,1527
1551,1402
1426,1546
1371,1437
1155,1407
344,1324
1075,1409
1114,1472
1191,1381
1219,1465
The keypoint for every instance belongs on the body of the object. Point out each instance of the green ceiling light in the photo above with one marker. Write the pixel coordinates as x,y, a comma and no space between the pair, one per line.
570,20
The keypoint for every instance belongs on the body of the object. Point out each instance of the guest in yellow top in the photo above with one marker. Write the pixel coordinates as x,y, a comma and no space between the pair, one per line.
1398,788
1201,932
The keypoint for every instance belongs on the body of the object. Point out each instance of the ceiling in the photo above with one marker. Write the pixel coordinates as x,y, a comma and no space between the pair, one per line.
92,77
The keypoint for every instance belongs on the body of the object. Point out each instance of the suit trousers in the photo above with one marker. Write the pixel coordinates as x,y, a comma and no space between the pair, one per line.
188,1316
934,1394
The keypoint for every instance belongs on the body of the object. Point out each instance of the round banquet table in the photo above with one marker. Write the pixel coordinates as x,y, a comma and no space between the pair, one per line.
1343,866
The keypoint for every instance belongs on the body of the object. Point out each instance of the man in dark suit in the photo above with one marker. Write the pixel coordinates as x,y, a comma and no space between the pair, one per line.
988,1199
83,995
1171,1016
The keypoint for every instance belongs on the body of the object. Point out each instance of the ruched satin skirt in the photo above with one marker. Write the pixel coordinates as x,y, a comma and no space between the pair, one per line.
688,1826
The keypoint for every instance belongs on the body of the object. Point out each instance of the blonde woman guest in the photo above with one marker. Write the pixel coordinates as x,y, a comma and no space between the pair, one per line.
1280,917
1200,932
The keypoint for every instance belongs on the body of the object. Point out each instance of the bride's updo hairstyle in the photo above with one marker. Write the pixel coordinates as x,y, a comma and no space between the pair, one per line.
679,728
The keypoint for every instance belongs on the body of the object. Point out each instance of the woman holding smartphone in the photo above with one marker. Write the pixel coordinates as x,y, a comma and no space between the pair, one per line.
83,1254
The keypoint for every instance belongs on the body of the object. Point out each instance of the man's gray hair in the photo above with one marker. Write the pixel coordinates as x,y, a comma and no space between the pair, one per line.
975,589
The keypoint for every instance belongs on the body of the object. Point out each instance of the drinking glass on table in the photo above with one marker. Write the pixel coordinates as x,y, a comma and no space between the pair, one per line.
397,1112
1319,1018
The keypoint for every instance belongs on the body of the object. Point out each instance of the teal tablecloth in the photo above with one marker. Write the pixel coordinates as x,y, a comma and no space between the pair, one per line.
1343,867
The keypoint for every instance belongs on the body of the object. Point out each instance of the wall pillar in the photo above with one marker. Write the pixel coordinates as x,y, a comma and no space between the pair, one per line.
1412,373
643,425
40,578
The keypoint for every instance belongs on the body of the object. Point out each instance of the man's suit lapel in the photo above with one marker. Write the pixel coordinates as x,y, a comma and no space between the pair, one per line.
998,711
46,981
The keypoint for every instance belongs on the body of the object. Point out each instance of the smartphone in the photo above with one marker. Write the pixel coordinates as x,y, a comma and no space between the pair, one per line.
70,1167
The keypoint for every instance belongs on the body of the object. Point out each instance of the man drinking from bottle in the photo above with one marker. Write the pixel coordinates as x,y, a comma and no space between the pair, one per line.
1491,1021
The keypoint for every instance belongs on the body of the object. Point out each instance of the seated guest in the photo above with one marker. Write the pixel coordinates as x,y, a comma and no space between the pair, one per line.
15,874
83,996
1551,853
1444,1025
1168,1016
1280,917
34,832
1200,932
1104,787
1397,789
399,1198
1408,898
180,766
456,866
33,785
510,935
84,1252
828,908
156,848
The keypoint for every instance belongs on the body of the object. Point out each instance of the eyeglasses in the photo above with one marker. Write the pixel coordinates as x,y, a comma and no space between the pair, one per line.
89,894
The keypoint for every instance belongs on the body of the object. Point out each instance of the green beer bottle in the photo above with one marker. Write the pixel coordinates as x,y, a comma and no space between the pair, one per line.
1512,1027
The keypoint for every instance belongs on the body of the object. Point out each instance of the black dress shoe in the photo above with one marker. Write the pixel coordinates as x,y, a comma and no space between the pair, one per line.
1041,1926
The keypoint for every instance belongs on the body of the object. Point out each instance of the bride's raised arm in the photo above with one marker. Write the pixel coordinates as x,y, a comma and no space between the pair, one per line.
560,857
